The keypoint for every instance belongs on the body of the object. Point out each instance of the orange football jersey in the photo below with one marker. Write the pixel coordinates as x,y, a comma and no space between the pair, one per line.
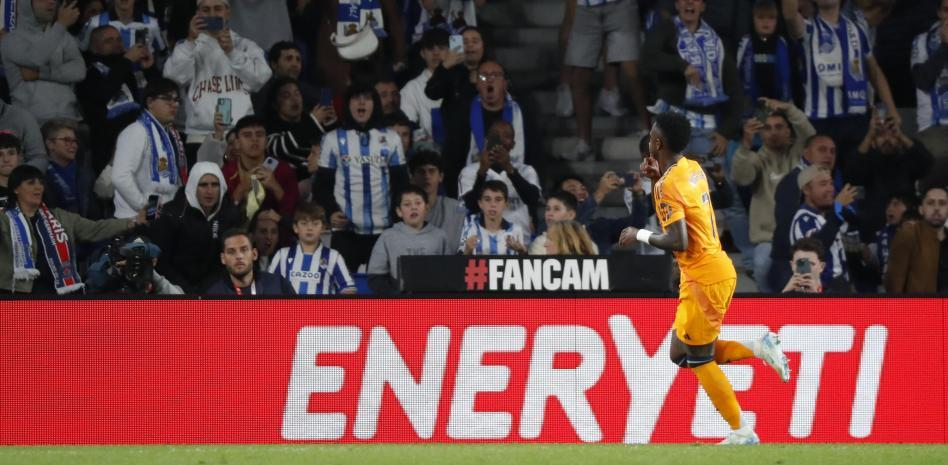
682,192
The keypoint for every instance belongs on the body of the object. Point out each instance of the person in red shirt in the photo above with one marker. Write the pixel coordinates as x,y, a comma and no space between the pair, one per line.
256,181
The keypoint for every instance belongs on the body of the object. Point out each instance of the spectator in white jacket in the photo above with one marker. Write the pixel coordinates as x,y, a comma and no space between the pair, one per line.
217,68
420,109
149,154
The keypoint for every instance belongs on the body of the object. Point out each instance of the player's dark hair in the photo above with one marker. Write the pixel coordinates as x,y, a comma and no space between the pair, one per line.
568,200
675,129
809,244
495,186
424,158
411,189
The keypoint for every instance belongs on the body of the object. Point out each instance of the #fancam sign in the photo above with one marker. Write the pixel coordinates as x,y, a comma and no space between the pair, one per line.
550,274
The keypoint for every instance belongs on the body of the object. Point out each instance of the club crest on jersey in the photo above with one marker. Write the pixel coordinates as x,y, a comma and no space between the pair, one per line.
665,210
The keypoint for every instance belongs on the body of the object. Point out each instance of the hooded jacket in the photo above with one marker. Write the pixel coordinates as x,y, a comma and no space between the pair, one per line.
189,238
54,52
23,125
210,74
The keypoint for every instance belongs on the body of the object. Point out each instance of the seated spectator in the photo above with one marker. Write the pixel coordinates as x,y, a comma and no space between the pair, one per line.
454,85
265,233
21,124
362,165
34,257
784,132
606,231
188,229
494,104
111,93
487,232
403,126
285,61
817,150
149,156
763,58
695,77
917,256
238,256
420,109
444,212
136,25
560,207
411,236
885,163
816,219
254,180
391,97
838,68
215,66
292,132
10,158
130,271
808,264
312,268
568,238
68,184
930,74
497,164
42,61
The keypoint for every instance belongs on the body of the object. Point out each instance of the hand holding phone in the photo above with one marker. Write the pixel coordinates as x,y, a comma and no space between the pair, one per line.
270,164
456,43
803,266
141,37
224,107
151,208
213,23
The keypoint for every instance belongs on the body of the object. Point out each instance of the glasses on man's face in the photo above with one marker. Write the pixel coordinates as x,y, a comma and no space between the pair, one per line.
485,77
172,99
67,140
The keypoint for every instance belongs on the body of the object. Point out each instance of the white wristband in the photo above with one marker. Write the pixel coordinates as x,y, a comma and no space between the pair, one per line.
643,235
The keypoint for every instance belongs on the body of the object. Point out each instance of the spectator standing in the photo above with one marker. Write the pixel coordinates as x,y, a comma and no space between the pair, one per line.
493,104
362,165
414,103
10,158
21,124
763,58
784,132
189,228
256,181
614,23
918,257
129,17
487,232
808,264
411,236
213,66
838,68
238,256
900,208
42,60
149,154
292,130
68,184
390,96
930,74
112,92
453,82
312,268
444,212
286,61
816,218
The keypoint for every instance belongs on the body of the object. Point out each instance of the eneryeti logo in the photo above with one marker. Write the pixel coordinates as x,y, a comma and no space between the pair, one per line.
548,274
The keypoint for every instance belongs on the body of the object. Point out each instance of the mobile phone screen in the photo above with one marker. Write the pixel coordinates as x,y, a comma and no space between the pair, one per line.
456,43
151,210
224,108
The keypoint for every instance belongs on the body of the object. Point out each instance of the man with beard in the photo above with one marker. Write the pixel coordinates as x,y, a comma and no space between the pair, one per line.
238,256
918,256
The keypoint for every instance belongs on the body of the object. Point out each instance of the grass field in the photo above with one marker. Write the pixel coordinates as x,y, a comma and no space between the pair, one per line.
487,454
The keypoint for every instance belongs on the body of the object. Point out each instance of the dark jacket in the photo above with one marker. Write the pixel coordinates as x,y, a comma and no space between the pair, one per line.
291,142
87,206
190,242
455,88
266,284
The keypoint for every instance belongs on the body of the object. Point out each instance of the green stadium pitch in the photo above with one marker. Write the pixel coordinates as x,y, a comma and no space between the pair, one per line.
486,454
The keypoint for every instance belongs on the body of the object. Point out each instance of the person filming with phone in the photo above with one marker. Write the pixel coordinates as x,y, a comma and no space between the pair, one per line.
219,68
807,265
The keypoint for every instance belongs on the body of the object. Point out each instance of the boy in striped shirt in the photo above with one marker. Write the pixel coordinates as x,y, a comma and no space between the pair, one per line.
312,268
487,232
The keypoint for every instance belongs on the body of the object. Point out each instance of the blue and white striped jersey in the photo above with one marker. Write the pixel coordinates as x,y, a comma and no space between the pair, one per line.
156,41
322,272
825,100
492,243
362,161
594,2
808,222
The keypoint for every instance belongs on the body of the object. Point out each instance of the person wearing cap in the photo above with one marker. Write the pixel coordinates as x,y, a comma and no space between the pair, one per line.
822,216
188,230
215,66
37,244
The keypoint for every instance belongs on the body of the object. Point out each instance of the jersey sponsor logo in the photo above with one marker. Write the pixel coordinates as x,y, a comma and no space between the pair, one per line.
305,275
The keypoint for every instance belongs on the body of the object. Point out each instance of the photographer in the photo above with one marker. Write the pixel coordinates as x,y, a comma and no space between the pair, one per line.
807,264
128,267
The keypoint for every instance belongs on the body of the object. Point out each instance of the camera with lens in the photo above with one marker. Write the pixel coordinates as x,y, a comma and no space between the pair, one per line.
138,270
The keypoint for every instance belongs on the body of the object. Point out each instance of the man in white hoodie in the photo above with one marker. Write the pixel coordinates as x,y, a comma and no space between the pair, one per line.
216,67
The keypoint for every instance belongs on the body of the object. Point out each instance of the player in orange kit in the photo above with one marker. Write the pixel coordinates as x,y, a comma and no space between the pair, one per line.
683,206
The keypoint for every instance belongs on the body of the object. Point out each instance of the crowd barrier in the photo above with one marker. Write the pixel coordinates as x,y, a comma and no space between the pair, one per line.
457,370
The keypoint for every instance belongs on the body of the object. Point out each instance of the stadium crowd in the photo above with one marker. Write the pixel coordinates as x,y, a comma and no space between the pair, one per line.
299,146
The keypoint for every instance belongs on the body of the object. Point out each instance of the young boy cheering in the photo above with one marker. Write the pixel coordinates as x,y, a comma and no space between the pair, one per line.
310,267
487,232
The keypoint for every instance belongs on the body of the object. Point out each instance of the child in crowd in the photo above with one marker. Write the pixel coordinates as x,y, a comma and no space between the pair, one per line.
487,232
312,268
560,206
10,158
763,57
411,236
568,238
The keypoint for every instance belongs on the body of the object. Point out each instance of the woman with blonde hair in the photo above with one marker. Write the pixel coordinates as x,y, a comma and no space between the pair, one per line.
569,238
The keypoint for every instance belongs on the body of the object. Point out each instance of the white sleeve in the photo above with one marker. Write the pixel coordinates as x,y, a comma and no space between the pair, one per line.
180,66
250,65
129,155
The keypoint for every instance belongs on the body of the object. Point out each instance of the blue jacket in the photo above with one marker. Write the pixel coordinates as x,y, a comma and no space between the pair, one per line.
266,283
